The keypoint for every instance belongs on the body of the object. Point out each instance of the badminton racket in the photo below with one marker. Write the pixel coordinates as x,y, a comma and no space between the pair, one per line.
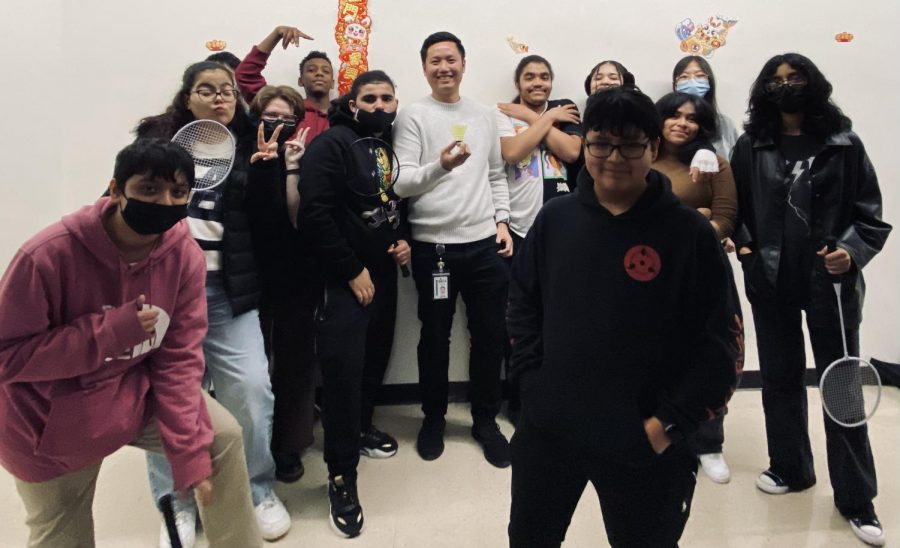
211,146
372,168
850,386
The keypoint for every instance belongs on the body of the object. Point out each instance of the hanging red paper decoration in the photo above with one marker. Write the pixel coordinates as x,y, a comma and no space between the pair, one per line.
352,36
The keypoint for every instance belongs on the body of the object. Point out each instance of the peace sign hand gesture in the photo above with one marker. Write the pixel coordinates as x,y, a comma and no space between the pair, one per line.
295,149
268,150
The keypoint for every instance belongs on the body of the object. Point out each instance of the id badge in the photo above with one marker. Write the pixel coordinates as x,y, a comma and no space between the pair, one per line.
440,278
441,284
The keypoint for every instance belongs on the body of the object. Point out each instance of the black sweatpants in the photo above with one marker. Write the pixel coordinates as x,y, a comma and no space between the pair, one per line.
353,343
481,276
782,364
643,506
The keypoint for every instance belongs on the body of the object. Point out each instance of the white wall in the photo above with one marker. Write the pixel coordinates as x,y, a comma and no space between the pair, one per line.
78,76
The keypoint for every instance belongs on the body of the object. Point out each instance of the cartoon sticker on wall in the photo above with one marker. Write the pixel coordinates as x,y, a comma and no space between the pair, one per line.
216,45
516,46
352,33
843,37
706,38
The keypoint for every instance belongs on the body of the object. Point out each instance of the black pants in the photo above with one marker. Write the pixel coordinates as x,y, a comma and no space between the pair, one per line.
353,343
643,506
481,276
782,363
288,327
709,437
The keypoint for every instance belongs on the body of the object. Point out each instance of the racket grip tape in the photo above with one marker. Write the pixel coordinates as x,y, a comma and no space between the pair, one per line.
830,243
168,512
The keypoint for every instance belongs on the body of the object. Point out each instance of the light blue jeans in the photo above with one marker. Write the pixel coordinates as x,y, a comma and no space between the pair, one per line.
238,370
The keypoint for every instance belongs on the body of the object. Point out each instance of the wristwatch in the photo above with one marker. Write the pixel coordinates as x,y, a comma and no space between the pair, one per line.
502,217
672,431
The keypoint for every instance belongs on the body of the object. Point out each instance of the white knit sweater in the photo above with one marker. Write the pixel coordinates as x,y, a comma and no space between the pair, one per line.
457,206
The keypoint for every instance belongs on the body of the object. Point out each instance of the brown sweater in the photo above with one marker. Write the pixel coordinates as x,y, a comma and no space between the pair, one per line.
719,195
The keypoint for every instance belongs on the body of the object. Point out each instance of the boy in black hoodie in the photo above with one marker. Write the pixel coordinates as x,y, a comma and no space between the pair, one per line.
355,240
626,335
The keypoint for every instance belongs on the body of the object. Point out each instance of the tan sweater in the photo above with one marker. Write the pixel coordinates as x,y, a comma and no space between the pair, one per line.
719,195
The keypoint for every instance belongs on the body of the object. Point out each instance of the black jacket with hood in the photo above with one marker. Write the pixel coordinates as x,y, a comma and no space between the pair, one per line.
345,231
635,316
845,204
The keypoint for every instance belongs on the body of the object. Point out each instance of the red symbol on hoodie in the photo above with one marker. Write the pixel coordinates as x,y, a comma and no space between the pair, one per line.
642,263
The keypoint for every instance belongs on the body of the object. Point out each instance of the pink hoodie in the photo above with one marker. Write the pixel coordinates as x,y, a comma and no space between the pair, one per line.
79,378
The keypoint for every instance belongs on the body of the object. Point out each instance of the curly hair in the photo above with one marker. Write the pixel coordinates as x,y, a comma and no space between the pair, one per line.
821,117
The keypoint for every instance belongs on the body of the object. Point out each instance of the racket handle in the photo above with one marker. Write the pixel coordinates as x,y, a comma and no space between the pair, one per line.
168,511
830,243
404,270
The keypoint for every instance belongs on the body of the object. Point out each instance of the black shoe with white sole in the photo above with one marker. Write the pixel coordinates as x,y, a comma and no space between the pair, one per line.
346,512
867,528
377,444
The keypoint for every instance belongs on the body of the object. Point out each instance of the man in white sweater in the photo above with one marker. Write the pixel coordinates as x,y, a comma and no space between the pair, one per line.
452,172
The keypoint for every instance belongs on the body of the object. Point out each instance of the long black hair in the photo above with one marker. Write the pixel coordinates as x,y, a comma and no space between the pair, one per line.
821,117
176,115
520,68
704,115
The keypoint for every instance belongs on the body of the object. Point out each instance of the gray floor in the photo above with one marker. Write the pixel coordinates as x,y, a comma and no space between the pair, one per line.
461,501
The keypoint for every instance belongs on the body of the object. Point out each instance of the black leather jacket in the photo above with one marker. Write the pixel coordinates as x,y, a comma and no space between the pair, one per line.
845,204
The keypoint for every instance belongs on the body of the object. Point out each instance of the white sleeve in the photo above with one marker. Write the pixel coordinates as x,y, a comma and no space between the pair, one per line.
497,172
504,124
416,175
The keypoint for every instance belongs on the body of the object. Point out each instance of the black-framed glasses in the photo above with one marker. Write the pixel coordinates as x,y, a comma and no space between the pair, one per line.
794,80
287,119
208,95
603,149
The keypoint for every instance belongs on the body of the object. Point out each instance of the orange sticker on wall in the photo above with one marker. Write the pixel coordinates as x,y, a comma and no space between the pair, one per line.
843,37
352,36
216,45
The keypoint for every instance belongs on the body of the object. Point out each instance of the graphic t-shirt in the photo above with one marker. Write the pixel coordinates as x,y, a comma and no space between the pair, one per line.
539,177
797,250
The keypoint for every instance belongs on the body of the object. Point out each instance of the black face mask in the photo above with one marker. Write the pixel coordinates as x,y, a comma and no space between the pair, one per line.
376,122
286,132
789,99
147,218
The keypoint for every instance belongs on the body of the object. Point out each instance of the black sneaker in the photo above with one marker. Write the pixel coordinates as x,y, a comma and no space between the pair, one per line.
493,442
288,467
377,444
867,528
346,513
430,442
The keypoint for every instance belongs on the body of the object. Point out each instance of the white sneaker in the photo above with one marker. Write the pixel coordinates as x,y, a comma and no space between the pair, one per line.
715,467
273,518
186,523
868,529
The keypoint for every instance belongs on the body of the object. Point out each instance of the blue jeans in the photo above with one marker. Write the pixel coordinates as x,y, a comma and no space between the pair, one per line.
237,368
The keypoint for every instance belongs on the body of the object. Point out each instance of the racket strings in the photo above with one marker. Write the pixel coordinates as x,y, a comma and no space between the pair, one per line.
211,146
843,391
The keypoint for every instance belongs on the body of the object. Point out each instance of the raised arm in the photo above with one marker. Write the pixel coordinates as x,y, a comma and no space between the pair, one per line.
417,174
249,72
